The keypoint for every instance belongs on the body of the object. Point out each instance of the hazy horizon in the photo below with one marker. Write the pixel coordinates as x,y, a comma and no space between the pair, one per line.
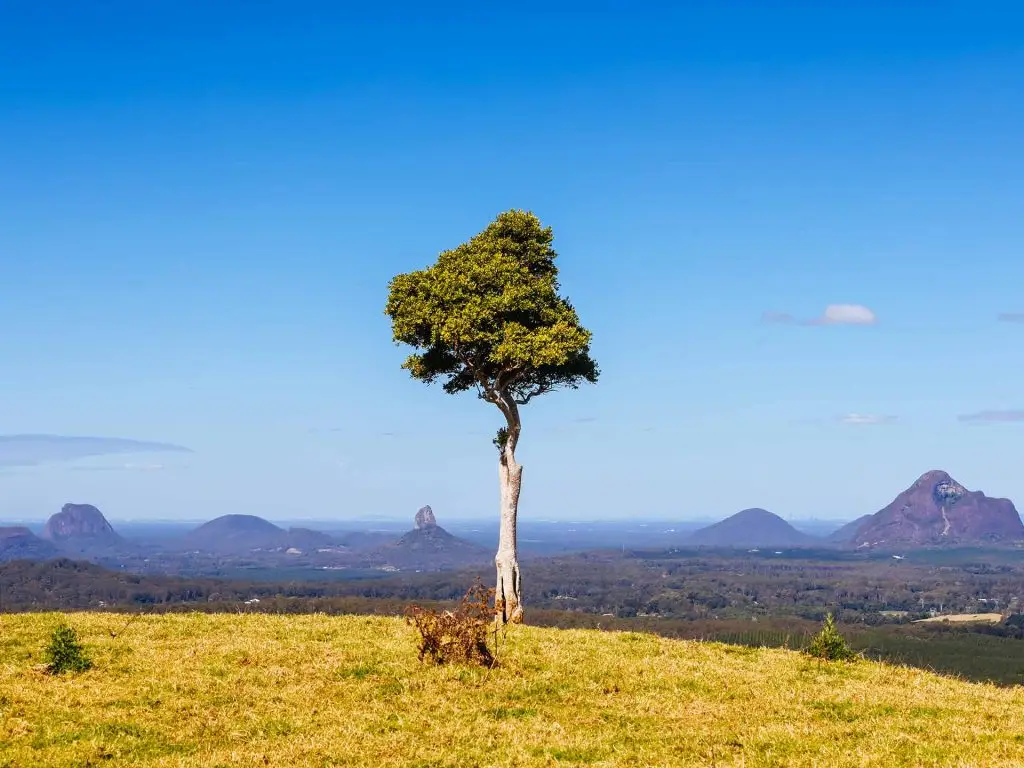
794,231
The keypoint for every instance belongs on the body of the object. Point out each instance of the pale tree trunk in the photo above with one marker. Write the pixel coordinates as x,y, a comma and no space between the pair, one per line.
508,601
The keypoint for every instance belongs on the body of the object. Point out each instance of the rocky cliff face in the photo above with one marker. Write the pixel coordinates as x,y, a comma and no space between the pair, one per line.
425,518
937,510
77,522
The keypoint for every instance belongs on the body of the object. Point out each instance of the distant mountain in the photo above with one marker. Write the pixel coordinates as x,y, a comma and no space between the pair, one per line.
19,543
307,538
82,529
937,510
364,541
428,546
236,534
751,528
845,533
242,534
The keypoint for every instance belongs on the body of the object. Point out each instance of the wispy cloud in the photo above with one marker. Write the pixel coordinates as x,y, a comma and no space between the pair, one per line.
29,450
780,318
834,314
993,416
867,419
118,467
1010,317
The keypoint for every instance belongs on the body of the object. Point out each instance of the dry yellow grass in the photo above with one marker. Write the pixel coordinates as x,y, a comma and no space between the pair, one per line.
963,618
247,690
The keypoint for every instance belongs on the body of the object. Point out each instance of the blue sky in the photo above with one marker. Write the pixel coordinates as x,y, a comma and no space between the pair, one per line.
201,205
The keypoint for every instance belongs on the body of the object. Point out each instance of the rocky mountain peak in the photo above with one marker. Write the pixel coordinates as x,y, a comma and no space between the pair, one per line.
937,510
425,518
78,521
933,477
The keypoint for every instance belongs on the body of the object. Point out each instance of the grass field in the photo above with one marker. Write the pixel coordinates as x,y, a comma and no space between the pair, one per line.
964,618
255,690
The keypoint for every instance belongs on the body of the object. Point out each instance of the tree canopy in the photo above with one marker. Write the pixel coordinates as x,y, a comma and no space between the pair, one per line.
488,315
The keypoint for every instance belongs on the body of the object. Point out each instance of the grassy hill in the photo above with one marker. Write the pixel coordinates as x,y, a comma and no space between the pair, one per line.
244,690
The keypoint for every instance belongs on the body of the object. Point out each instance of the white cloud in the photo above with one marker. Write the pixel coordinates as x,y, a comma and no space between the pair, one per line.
848,314
866,419
834,314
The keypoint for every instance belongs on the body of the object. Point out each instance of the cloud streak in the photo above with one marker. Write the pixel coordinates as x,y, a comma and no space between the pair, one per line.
834,314
119,468
992,416
867,419
778,318
30,450
1010,317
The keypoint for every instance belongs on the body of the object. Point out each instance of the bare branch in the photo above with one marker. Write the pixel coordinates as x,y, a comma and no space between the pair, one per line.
540,389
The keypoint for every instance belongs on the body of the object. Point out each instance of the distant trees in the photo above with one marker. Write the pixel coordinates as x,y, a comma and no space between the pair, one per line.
487,316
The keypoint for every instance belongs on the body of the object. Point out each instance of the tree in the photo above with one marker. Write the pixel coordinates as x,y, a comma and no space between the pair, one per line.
65,653
829,644
487,316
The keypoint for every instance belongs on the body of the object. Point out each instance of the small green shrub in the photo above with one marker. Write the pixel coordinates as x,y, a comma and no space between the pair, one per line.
829,644
65,653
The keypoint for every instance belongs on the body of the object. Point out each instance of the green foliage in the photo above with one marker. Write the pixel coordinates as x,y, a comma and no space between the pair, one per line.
829,644
501,439
487,315
65,653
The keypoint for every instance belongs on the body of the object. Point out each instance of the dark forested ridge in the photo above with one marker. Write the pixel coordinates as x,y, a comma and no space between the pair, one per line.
679,584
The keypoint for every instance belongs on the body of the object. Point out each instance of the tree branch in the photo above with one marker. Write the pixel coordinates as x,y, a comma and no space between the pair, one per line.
508,406
540,389
484,389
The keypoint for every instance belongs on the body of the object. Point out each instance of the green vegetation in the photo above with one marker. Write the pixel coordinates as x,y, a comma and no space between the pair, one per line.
487,316
65,653
829,644
193,690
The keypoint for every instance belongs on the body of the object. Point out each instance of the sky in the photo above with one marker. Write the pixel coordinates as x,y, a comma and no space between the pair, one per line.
794,228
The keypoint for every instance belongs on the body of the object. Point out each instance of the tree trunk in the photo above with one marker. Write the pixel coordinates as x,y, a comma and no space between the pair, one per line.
508,600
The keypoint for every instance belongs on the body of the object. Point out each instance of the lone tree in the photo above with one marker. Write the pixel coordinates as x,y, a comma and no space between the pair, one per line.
487,316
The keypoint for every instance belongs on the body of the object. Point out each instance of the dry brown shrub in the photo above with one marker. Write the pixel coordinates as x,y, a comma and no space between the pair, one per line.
458,636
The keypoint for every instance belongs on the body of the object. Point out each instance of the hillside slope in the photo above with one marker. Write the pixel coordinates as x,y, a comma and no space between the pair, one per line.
235,534
846,533
751,528
19,543
203,690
